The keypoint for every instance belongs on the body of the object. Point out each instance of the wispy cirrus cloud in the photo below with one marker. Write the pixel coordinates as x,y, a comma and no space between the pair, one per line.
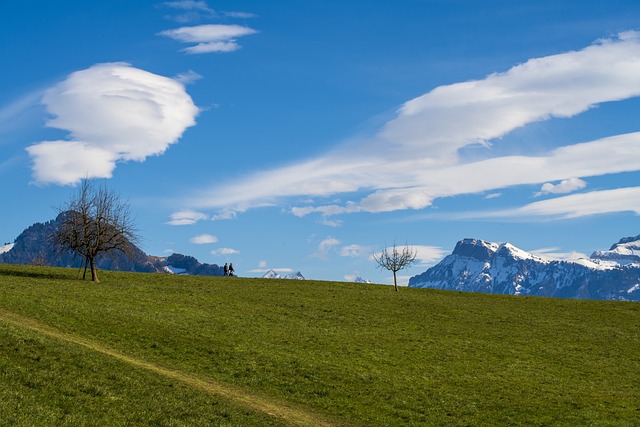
197,10
188,77
572,206
190,11
209,37
113,113
416,157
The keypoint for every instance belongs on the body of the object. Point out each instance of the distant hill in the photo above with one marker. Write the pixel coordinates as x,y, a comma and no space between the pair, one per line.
33,246
501,268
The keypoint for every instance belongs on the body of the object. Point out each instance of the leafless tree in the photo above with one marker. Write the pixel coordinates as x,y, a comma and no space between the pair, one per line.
396,260
95,221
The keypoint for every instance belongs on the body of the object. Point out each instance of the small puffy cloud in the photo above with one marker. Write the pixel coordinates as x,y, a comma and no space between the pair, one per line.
64,162
565,186
225,251
209,37
186,217
203,239
355,251
113,112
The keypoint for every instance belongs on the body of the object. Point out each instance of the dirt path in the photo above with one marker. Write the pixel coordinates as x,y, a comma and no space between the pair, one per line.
288,413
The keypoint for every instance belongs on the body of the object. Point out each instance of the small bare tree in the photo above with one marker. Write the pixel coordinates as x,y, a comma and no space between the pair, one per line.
396,260
94,221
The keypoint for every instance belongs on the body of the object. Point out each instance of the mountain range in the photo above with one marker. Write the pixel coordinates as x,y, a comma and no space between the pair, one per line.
501,268
272,274
34,246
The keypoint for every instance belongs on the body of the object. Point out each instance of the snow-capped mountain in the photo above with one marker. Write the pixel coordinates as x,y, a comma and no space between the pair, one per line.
272,274
361,280
480,266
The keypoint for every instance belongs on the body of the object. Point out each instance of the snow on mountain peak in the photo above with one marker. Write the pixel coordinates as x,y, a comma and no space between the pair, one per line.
272,274
6,248
479,266
625,252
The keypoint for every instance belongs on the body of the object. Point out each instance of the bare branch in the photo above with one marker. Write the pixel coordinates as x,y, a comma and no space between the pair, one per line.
396,260
95,221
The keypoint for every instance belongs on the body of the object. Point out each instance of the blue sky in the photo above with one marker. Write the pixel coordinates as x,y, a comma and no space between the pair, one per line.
304,136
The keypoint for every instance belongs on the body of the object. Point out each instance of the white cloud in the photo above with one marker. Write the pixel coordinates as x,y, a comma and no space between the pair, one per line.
492,196
429,255
186,217
425,255
225,251
190,11
572,206
553,254
209,37
66,162
279,270
565,186
188,77
325,247
355,251
15,114
113,112
416,158
188,5
203,239
240,15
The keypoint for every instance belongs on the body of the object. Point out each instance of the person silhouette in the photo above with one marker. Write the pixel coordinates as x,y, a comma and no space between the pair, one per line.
226,269
231,270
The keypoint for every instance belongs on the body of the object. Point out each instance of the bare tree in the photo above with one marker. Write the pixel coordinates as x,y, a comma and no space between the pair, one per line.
396,260
95,221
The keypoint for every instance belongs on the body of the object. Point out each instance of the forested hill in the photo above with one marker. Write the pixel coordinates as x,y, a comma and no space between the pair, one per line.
33,246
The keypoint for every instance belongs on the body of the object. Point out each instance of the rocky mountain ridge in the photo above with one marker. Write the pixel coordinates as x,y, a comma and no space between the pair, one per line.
33,246
501,268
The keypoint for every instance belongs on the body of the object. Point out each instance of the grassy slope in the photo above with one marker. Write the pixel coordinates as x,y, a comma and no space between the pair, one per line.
355,354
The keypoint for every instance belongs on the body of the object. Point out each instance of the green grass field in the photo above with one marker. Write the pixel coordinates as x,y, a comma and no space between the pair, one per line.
162,350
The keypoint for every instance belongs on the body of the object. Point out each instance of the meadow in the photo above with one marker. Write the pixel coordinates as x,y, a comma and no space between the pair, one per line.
165,350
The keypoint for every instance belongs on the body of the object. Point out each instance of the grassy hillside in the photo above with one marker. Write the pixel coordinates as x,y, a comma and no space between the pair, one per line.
148,349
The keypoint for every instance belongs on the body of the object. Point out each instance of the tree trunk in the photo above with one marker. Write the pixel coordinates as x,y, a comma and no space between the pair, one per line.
94,270
395,281
86,264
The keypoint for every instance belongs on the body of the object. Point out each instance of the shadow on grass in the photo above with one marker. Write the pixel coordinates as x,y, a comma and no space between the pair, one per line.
36,272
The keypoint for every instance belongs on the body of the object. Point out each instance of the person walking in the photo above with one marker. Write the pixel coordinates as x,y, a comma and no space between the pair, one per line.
231,270
226,269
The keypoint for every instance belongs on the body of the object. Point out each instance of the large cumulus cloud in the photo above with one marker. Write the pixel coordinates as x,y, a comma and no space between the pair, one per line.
112,112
